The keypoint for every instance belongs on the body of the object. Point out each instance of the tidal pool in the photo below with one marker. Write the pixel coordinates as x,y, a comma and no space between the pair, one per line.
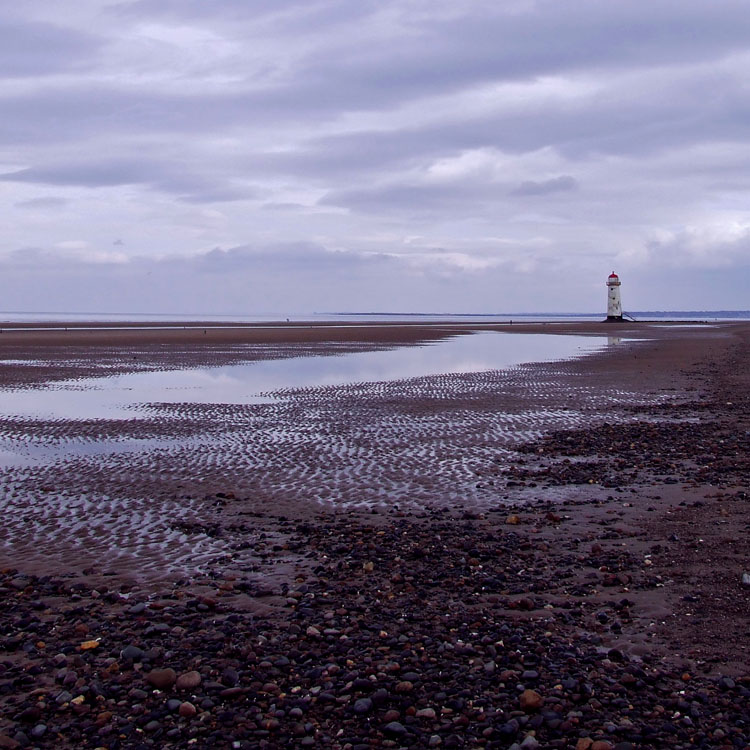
266,381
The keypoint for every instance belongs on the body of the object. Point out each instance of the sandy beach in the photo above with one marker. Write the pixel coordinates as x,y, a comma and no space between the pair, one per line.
550,555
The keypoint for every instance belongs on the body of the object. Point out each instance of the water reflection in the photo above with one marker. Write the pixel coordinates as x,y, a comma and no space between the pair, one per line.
254,382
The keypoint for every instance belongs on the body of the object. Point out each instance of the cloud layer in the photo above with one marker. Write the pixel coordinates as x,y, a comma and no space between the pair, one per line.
254,156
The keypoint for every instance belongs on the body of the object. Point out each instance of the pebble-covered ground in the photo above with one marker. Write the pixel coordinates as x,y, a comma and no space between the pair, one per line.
427,630
574,585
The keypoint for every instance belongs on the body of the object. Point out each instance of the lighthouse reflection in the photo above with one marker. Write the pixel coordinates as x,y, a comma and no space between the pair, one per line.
614,340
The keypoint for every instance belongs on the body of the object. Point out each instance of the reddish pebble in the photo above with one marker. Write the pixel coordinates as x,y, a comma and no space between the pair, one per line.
531,700
187,710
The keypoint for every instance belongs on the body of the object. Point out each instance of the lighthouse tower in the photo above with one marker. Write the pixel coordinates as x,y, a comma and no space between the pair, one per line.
614,305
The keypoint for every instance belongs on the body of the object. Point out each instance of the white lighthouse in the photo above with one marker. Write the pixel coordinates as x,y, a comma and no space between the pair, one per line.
614,305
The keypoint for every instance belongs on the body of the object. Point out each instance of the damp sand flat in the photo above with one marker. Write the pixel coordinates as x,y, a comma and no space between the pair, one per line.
117,467
125,486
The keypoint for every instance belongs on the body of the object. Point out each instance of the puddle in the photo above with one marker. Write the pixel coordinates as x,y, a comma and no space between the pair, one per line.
127,396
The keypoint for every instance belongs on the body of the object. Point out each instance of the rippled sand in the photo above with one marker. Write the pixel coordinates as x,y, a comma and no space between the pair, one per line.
138,497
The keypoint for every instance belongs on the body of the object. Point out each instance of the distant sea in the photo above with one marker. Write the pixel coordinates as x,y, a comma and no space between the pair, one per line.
391,317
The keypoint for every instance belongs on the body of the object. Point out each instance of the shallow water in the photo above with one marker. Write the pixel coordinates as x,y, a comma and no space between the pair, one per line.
255,382
79,486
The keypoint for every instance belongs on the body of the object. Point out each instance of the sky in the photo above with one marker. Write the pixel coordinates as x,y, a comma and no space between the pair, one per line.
290,156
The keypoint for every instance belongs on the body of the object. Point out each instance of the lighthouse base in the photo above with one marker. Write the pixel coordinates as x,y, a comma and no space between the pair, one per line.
614,319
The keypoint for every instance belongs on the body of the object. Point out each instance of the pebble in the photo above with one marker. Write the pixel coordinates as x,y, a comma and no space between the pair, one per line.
132,652
530,700
187,710
161,679
363,706
395,729
188,680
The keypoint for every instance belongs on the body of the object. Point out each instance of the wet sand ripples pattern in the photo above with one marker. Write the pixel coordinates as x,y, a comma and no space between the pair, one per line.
122,492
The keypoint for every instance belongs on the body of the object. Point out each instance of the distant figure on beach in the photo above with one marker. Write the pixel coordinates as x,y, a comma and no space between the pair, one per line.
614,304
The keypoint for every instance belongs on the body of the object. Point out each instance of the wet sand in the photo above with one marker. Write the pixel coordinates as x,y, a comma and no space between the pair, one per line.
599,503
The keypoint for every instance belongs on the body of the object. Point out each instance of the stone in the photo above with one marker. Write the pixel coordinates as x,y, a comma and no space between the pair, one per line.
39,731
188,680
395,729
530,701
161,679
363,706
132,652
230,677
187,710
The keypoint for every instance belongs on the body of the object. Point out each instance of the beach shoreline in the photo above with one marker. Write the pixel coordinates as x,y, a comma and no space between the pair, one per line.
621,533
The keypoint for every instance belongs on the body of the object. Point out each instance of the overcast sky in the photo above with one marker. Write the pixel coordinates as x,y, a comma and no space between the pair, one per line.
289,156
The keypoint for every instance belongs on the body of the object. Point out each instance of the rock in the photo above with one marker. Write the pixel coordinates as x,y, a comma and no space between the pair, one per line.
530,743
8,743
188,681
161,679
601,745
132,652
187,710
584,743
30,715
230,677
363,706
746,579
530,701
39,731
395,729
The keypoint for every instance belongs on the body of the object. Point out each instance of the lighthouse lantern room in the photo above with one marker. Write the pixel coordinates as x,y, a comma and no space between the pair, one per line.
614,305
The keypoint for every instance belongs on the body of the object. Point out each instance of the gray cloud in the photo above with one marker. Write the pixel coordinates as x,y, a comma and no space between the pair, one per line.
43,202
32,48
169,176
563,183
